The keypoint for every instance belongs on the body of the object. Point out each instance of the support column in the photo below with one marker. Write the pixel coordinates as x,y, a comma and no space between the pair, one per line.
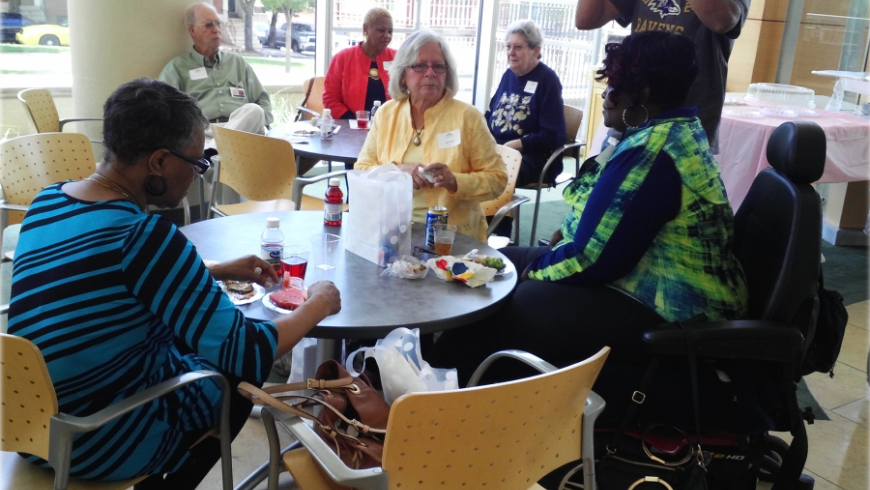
113,42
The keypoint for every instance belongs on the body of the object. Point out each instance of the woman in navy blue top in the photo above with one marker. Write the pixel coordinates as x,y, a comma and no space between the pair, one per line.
118,300
527,113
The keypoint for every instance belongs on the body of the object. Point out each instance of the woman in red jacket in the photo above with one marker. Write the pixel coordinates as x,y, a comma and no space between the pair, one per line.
357,76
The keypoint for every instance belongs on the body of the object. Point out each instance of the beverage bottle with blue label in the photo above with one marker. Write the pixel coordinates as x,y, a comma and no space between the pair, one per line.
272,244
375,108
326,123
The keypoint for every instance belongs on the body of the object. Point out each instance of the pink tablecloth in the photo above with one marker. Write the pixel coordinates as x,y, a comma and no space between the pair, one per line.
743,149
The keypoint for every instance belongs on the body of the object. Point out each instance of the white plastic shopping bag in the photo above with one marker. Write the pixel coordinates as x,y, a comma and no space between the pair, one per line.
378,228
402,367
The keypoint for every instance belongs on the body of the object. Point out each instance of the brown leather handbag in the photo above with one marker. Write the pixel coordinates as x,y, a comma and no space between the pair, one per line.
353,420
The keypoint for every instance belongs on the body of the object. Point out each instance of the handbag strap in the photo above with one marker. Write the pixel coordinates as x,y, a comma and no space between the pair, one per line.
262,397
313,384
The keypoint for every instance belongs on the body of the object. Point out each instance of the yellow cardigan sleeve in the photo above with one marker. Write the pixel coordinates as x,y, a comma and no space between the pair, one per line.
488,177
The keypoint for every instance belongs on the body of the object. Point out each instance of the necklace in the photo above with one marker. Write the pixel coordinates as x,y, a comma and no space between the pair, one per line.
416,139
373,74
113,186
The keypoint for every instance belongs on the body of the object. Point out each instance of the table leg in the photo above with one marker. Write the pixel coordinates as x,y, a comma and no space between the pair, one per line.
329,349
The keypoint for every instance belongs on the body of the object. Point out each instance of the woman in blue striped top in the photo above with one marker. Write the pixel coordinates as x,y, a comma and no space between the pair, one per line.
118,300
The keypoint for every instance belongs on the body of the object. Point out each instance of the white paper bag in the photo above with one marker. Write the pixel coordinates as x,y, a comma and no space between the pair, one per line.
379,225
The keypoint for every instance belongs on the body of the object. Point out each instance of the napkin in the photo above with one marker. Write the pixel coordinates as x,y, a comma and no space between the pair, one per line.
469,272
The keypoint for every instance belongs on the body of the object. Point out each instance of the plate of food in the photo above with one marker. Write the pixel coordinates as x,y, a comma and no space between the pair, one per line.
288,298
501,266
242,292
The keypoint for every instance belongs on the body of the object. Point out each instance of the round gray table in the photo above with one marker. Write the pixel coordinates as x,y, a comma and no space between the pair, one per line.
343,147
372,304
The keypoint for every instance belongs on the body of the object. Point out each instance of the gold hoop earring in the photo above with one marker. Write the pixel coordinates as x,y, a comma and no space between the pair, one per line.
645,119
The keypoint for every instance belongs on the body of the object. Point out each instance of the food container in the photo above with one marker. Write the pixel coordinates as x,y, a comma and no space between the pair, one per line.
781,94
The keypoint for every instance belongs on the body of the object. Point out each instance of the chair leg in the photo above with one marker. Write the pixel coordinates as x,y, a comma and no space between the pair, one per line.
535,217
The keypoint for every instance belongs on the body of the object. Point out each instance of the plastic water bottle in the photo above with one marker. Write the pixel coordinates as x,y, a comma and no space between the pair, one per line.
375,107
334,203
272,244
326,123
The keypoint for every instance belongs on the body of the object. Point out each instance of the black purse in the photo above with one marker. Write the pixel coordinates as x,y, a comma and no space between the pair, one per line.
632,463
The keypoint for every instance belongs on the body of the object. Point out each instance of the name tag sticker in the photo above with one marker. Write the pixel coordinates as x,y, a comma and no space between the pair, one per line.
530,87
198,73
238,93
449,139
387,65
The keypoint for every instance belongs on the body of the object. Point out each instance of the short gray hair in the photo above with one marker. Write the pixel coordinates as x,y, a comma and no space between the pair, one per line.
528,30
407,55
190,16
375,14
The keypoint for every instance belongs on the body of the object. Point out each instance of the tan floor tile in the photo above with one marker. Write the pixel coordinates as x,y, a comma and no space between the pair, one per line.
838,452
849,384
857,411
856,343
250,450
821,483
859,314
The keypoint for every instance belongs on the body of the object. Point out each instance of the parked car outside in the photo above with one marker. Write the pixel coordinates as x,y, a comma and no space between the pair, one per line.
44,34
11,24
302,37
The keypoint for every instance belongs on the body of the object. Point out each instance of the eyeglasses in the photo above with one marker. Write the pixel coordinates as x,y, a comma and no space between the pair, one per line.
514,47
422,67
201,165
210,25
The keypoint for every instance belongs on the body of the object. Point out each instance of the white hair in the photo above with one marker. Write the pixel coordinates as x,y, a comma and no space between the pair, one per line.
407,55
190,16
528,30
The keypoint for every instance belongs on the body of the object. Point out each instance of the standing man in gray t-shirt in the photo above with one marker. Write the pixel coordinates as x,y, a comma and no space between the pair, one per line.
712,24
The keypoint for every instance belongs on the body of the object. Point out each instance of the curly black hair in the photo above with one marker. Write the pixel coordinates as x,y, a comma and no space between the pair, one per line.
146,115
666,63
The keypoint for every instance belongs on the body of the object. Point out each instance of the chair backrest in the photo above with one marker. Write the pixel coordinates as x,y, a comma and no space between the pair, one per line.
30,163
778,229
40,106
259,168
313,88
573,120
29,400
504,436
512,160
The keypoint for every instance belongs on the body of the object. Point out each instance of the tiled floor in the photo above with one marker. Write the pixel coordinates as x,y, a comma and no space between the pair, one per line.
838,449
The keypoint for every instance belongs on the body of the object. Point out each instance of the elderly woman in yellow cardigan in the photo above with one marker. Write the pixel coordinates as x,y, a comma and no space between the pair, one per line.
427,133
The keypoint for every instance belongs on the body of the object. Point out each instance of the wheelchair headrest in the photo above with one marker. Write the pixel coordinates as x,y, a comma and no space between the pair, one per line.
797,150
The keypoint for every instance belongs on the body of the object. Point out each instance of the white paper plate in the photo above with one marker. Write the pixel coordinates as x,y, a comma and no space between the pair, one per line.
272,306
259,291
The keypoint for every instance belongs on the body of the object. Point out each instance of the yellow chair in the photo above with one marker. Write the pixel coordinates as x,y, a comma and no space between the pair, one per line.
573,119
261,169
30,163
505,436
312,104
43,113
32,424
507,203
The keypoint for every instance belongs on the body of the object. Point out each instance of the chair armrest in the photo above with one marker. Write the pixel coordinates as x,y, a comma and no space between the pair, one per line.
739,339
12,207
301,110
370,478
96,420
300,182
519,355
4,309
503,211
556,154
63,427
75,119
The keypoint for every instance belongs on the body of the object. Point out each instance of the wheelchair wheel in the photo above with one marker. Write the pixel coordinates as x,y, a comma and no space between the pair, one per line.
573,480
770,463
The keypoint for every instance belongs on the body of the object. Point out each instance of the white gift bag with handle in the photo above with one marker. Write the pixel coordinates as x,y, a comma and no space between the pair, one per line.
378,228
